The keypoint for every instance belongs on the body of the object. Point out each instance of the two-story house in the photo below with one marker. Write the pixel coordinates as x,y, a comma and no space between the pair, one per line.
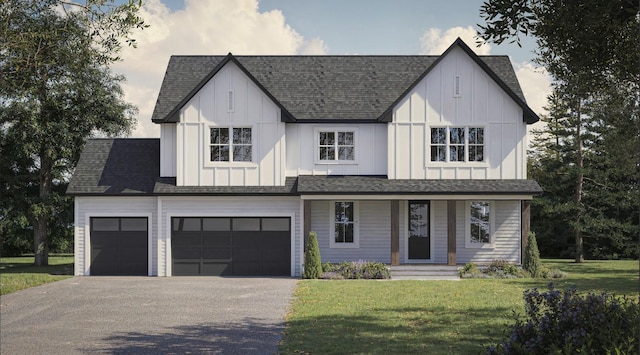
397,159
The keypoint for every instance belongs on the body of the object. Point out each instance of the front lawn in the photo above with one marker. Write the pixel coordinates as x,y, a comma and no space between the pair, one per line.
429,317
17,273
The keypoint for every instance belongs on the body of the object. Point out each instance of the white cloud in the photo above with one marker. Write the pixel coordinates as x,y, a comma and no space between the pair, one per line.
202,27
435,42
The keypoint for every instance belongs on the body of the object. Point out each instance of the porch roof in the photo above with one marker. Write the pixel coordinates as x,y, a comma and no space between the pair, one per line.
381,185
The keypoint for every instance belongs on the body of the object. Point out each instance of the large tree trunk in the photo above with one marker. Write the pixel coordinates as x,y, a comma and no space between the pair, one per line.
579,183
41,225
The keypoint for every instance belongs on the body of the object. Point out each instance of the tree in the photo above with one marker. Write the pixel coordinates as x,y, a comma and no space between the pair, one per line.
56,91
586,46
531,261
312,261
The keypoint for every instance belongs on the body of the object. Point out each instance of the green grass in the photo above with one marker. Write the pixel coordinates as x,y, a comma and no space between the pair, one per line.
429,317
17,273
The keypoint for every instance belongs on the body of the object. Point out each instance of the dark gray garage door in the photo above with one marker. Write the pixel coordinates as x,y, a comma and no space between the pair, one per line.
119,246
244,246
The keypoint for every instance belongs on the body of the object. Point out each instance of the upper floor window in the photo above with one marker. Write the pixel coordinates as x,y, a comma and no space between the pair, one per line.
457,144
336,145
231,144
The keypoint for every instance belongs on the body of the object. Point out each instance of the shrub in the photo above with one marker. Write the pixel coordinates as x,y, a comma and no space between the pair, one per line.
567,323
312,263
360,269
547,273
531,261
470,271
502,269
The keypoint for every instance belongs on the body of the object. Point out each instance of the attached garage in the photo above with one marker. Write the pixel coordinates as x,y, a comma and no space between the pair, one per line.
222,246
119,246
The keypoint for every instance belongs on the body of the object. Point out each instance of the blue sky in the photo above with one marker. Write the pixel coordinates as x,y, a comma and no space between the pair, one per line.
322,27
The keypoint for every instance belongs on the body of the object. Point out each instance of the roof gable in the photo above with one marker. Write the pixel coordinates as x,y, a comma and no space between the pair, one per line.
325,88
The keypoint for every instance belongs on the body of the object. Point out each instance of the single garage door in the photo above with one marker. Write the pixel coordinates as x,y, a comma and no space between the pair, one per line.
119,246
246,246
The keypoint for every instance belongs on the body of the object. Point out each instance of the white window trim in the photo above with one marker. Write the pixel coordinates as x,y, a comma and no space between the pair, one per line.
316,149
207,147
431,234
467,229
356,226
448,162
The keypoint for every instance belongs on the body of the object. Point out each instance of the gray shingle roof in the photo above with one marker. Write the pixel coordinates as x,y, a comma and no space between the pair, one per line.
120,167
377,185
322,87
132,167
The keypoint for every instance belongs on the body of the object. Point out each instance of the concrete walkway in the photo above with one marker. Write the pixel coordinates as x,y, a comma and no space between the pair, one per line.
146,315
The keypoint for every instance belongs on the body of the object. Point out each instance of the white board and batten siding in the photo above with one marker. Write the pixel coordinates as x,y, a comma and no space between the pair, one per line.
168,150
303,153
229,99
374,230
87,207
228,206
480,103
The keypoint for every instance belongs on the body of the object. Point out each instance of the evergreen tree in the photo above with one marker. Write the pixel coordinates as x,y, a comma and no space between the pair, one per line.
531,261
312,261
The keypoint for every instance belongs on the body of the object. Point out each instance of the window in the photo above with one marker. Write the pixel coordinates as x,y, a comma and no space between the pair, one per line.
238,147
457,144
336,145
479,224
344,224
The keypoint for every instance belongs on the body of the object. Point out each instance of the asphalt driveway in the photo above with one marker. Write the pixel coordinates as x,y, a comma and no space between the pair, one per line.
146,315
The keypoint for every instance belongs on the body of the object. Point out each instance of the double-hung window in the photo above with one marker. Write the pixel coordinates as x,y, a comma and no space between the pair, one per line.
229,144
479,224
457,144
336,145
344,224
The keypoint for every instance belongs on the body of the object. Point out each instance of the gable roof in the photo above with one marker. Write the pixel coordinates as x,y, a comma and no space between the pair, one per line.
325,88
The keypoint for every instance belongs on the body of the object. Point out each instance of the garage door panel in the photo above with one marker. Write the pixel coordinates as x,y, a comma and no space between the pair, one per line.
186,268
276,268
248,268
187,252
186,238
219,239
216,253
216,269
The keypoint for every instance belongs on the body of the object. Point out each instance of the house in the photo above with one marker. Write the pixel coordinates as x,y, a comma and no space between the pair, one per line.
397,159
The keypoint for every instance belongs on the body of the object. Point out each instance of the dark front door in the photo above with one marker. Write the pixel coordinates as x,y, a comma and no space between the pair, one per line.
119,246
243,246
419,231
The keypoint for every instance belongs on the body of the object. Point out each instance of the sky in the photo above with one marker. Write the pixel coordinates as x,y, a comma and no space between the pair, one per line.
305,27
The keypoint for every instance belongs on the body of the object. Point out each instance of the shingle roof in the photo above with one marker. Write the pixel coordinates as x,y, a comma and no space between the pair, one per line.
132,167
322,87
365,185
119,167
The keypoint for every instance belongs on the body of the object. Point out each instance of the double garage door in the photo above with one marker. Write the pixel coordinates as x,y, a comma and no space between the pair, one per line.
246,246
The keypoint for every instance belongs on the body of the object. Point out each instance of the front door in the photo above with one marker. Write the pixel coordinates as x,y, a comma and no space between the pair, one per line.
419,230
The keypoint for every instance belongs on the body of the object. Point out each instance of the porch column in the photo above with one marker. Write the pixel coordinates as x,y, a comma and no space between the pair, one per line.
307,223
451,233
395,232
525,223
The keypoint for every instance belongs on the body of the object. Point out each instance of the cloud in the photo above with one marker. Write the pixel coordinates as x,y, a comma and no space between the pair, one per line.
435,42
201,28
